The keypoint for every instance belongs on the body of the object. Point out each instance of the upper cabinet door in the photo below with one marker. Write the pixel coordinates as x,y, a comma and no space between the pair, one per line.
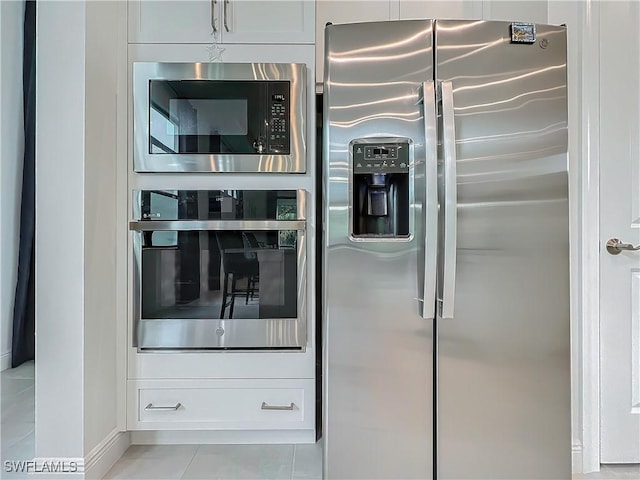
535,11
188,21
235,21
458,9
345,11
268,21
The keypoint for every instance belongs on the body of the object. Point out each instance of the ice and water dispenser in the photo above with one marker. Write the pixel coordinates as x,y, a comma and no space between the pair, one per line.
380,189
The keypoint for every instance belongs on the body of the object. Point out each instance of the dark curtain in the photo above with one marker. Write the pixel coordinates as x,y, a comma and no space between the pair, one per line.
23,342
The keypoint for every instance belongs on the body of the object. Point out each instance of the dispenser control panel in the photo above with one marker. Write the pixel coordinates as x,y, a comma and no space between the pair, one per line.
380,158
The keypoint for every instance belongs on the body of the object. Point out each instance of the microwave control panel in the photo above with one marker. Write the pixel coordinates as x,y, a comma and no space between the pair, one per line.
278,111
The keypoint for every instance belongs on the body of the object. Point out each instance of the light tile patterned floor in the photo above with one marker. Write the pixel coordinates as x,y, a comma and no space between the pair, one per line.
17,403
195,462
174,462
613,472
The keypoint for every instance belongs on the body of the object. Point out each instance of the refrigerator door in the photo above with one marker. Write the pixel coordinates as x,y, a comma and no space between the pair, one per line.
503,402
378,348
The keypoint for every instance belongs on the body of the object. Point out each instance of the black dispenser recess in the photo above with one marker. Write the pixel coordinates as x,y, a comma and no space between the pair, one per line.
380,189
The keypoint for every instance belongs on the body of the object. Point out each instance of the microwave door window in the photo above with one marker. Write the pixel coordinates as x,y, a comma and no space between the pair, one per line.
206,117
163,133
211,125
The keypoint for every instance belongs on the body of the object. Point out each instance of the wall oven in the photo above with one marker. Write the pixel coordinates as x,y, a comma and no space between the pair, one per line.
219,117
219,269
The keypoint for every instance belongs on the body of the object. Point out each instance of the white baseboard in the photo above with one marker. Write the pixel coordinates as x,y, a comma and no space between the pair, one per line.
576,458
182,437
100,460
5,361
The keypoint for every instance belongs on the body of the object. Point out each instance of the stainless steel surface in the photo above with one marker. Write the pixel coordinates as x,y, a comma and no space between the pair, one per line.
216,334
171,408
190,225
266,406
503,360
431,201
376,343
615,246
449,204
179,334
226,25
213,16
236,333
295,162
183,334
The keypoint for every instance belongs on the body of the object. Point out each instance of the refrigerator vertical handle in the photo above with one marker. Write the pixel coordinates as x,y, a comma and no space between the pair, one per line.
450,207
431,200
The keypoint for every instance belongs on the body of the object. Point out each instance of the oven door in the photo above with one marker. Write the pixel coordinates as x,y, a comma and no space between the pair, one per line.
220,284
219,117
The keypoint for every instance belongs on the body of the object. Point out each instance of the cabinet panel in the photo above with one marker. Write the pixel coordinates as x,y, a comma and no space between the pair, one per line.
225,404
186,21
458,9
340,11
237,21
530,11
260,21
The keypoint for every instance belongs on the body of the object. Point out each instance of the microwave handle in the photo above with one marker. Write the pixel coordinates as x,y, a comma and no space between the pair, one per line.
214,29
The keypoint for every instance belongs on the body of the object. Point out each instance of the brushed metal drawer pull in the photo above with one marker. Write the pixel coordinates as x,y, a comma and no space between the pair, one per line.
173,409
265,406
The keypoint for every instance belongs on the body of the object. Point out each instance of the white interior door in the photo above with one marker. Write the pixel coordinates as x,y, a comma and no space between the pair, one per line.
620,218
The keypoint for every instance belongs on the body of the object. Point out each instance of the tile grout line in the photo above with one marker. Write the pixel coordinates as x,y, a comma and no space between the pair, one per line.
190,461
293,462
7,447
17,394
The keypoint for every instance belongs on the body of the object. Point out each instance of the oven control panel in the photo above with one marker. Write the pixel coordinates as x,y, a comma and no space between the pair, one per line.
278,123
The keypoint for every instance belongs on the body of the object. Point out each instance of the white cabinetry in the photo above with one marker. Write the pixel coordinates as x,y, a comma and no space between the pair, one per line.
221,393
458,9
235,21
530,11
227,404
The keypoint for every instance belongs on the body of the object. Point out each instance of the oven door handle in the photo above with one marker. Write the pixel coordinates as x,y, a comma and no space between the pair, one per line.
195,225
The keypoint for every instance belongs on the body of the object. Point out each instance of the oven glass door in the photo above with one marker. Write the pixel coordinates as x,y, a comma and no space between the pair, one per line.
207,282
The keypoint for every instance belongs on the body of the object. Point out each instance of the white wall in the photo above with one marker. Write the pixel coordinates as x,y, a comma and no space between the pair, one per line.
76,140
11,151
60,120
100,330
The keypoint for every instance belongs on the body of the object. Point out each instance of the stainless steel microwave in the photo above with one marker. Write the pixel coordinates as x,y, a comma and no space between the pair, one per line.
219,117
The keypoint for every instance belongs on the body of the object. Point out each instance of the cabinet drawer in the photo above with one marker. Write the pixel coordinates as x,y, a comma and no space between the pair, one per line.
231,408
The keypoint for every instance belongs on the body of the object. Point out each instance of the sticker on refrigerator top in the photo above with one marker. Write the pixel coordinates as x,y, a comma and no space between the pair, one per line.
523,33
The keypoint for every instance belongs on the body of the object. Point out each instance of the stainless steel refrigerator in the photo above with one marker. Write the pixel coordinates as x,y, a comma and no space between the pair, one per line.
446,251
